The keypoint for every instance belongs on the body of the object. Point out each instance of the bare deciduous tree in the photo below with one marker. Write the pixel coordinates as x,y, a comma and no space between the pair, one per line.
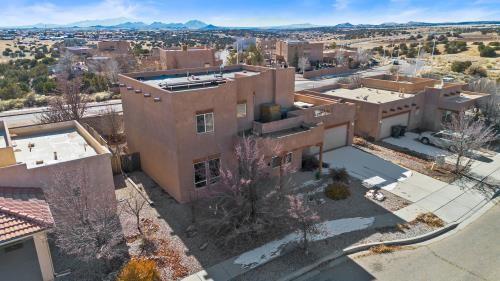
85,228
303,64
134,205
303,219
340,57
467,136
248,201
70,105
490,108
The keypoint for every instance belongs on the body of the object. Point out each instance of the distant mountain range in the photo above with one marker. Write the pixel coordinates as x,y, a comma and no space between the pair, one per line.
125,23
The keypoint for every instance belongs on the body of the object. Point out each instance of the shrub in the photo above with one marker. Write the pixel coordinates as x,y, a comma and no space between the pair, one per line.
140,269
337,191
310,163
476,70
430,219
460,66
339,175
487,52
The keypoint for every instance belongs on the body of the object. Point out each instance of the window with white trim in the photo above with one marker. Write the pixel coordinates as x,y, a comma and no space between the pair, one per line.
205,122
275,161
206,172
241,110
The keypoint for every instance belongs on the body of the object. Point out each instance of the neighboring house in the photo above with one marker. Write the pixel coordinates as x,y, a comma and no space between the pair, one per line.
79,50
180,58
185,123
290,51
384,101
119,47
25,219
45,155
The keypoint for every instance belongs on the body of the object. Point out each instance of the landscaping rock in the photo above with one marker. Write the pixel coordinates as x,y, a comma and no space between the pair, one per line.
203,246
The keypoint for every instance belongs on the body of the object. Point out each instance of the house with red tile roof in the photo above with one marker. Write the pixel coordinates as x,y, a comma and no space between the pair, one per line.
25,218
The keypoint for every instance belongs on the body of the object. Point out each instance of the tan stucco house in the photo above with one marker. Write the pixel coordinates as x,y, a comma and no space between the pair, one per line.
184,123
383,101
41,155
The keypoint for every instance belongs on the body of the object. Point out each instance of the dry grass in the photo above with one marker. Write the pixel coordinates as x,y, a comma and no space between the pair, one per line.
384,249
430,219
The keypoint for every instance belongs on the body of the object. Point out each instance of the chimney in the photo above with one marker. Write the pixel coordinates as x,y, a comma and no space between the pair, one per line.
55,155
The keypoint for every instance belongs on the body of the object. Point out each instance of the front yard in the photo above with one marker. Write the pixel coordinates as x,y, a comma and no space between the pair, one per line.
189,248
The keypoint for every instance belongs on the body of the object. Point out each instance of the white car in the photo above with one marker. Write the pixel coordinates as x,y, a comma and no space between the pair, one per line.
442,139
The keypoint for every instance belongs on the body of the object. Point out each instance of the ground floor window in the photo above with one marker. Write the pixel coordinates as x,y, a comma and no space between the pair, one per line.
277,161
206,172
447,116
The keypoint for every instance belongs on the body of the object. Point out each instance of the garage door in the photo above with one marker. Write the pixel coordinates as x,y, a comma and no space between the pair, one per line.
387,123
335,137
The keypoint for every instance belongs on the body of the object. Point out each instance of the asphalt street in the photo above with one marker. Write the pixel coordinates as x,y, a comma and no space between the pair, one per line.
472,253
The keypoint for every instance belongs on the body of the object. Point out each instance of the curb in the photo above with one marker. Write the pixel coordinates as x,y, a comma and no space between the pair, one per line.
360,248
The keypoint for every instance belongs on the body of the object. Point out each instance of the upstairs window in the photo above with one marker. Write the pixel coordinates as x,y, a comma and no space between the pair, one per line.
205,122
241,110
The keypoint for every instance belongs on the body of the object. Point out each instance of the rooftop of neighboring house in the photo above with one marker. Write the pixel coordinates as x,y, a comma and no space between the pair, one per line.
398,83
53,143
369,95
183,80
23,211
463,96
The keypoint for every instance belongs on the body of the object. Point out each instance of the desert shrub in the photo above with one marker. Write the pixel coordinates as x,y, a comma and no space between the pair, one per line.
309,163
487,52
430,219
477,70
460,66
337,191
139,269
454,47
339,175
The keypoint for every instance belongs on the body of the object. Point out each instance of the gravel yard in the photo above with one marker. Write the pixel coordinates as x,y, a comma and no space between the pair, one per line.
405,159
170,220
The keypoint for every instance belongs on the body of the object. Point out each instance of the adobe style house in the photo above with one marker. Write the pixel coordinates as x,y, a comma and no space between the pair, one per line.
43,155
384,101
114,46
185,123
25,219
289,51
180,58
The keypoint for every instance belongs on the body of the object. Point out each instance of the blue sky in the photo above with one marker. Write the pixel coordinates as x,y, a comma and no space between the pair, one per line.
248,13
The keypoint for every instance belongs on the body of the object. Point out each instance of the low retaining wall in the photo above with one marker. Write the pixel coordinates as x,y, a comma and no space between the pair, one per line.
326,71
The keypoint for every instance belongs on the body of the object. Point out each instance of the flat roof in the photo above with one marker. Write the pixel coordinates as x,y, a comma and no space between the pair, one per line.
187,81
67,143
367,95
464,97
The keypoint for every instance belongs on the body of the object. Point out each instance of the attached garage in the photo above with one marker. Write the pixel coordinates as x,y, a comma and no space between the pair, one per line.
387,123
335,137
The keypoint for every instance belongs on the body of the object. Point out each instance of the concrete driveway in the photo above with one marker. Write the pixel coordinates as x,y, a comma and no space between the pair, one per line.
372,170
450,202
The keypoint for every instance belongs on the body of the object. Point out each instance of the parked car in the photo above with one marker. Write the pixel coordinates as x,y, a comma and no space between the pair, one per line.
442,139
